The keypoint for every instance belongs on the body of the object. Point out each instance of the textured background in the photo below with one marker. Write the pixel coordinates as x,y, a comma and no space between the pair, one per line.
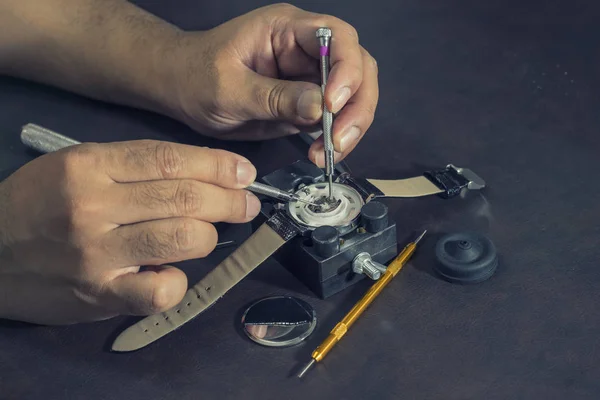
509,89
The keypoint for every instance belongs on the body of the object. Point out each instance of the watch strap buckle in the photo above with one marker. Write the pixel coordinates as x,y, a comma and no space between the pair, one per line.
454,180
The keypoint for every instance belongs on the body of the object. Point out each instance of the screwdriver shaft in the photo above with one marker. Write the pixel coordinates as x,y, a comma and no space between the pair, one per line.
47,141
324,35
269,191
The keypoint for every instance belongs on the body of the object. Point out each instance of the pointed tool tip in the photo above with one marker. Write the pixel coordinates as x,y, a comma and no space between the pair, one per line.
306,368
421,236
308,202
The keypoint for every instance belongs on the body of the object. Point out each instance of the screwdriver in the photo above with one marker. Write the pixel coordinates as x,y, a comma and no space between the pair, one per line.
275,193
324,36
342,327
46,141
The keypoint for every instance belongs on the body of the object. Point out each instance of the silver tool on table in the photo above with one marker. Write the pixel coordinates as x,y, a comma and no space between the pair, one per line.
46,141
324,36
227,243
275,193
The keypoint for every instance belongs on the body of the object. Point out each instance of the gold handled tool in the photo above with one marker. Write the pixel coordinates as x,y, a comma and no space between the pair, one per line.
342,327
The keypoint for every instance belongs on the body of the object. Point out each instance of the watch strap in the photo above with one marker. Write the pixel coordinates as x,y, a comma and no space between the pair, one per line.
447,183
257,248
410,187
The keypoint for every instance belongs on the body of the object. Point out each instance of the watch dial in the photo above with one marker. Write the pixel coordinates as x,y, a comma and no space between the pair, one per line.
339,211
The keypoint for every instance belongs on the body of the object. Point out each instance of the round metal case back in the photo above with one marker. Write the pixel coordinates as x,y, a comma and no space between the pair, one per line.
342,212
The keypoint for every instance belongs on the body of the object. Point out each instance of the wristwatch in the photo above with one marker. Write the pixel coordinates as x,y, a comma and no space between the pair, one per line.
286,222
342,211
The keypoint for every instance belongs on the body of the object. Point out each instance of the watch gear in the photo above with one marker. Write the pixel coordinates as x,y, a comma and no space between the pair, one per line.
342,211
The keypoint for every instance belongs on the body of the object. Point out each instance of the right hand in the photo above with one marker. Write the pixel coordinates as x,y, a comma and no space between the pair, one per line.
77,224
258,77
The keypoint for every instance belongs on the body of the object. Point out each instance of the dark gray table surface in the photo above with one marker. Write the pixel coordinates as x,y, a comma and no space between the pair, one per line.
510,89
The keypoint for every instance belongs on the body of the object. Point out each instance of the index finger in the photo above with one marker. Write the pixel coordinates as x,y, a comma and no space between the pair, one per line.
345,57
149,160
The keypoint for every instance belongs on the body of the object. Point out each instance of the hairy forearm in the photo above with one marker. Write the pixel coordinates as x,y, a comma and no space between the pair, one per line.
109,50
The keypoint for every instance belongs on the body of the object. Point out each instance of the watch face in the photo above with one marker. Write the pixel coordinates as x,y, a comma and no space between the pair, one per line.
341,211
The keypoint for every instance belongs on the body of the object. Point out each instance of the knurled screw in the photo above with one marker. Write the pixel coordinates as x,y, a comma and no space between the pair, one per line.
364,264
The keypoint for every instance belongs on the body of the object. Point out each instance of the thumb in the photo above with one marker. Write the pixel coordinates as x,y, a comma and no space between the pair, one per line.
148,292
274,99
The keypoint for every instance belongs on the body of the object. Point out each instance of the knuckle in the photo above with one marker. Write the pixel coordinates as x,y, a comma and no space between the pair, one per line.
284,7
373,63
78,158
369,110
345,28
168,160
351,32
80,214
370,60
76,228
184,236
272,98
187,198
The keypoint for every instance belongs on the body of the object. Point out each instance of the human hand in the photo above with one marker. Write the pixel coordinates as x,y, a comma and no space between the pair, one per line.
77,224
257,77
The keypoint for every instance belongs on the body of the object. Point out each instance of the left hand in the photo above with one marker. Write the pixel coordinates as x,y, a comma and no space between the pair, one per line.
258,77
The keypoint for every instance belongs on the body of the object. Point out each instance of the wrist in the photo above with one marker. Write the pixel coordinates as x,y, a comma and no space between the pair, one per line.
166,89
154,77
113,52
183,61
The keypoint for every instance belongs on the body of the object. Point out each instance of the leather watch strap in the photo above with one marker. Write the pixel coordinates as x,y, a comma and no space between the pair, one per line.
447,182
256,249
411,187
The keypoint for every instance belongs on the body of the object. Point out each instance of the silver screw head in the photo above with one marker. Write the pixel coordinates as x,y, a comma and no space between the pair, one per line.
324,32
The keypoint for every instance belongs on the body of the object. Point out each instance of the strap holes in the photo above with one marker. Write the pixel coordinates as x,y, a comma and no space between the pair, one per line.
208,289
145,330
156,324
198,296
188,304
166,318
178,311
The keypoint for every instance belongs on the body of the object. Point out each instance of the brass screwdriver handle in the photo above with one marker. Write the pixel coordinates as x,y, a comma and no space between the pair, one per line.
342,327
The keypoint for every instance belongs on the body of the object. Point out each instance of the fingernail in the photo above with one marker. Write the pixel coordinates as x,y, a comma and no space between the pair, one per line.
340,98
310,104
252,205
349,138
245,173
